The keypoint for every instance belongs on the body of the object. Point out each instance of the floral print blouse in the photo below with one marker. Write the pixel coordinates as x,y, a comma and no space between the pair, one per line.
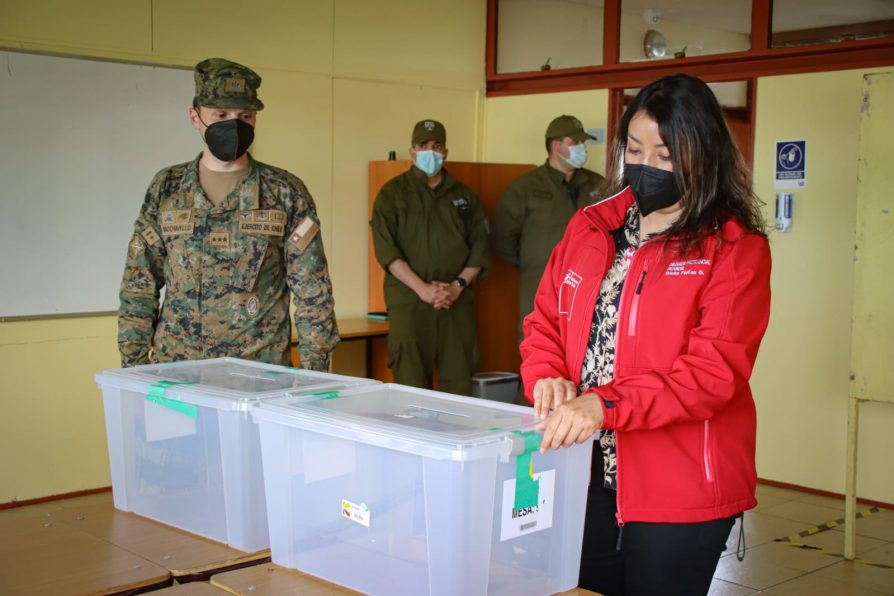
599,363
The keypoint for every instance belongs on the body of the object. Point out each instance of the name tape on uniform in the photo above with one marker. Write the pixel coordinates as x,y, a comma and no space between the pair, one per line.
176,229
269,222
176,222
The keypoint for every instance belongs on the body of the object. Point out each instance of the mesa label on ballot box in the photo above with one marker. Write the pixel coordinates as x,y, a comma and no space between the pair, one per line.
527,520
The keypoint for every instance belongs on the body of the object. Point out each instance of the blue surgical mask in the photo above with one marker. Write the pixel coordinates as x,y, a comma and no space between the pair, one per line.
429,162
577,155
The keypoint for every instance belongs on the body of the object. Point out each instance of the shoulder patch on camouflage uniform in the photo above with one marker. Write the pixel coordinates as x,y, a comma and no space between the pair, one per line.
150,236
269,222
136,247
303,233
252,305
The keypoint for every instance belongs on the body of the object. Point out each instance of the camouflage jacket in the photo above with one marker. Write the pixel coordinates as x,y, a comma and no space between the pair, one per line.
226,273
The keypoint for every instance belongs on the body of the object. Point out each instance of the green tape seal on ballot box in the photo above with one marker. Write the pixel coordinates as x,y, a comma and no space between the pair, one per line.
157,395
527,490
326,394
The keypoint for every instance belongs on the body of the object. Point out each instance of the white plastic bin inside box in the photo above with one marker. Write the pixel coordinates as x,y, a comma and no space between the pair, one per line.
395,490
497,386
183,448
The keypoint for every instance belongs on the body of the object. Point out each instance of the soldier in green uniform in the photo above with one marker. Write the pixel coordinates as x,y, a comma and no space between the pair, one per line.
227,237
532,214
430,235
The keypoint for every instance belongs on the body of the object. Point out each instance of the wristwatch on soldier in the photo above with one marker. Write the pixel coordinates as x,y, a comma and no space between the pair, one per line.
462,283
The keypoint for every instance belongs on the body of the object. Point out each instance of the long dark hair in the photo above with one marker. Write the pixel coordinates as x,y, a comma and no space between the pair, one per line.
708,166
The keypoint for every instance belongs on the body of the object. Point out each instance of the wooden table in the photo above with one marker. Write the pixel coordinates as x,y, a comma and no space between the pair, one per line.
97,549
185,556
40,555
357,329
191,589
274,580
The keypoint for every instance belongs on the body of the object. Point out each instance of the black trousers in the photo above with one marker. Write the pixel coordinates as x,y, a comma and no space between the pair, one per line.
654,558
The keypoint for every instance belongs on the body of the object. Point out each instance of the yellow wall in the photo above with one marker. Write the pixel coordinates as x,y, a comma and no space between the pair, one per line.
341,92
801,379
514,127
344,82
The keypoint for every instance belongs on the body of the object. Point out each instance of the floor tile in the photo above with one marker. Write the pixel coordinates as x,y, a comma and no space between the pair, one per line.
858,575
833,541
783,555
813,584
760,529
754,574
810,515
836,503
29,510
876,526
722,588
770,500
777,491
87,500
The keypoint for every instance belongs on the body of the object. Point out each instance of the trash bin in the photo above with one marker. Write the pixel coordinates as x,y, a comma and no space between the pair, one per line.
498,386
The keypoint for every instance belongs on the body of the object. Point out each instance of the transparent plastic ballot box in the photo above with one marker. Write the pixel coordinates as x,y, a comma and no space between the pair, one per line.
183,449
389,489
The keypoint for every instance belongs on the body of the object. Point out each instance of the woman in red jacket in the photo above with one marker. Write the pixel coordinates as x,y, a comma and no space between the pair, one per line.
646,325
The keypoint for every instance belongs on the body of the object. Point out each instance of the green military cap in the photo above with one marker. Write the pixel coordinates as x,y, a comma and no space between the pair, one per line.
426,130
221,83
567,126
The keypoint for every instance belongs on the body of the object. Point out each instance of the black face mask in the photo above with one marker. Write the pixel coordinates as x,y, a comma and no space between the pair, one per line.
228,140
652,188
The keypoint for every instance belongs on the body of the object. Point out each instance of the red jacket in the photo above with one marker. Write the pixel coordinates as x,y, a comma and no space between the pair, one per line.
687,337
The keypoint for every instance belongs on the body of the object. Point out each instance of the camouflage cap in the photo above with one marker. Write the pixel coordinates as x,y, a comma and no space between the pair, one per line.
221,83
567,126
426,130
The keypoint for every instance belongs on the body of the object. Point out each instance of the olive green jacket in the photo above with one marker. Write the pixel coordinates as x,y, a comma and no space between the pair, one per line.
530,220
438,232
226,273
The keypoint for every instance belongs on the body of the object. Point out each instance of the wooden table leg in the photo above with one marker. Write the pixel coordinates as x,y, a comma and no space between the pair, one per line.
850,500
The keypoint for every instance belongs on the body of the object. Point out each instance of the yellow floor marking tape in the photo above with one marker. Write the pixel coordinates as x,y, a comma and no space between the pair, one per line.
794,539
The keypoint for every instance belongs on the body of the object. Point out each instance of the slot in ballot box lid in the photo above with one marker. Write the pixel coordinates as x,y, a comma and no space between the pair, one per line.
408,419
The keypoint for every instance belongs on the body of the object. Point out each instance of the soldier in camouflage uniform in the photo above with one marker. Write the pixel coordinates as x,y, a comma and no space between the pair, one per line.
226,237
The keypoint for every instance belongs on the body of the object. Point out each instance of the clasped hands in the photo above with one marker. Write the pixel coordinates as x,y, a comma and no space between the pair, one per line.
440,294
575,418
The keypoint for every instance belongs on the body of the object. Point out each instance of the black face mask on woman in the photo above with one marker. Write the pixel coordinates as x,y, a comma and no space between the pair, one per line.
228,140
653,188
